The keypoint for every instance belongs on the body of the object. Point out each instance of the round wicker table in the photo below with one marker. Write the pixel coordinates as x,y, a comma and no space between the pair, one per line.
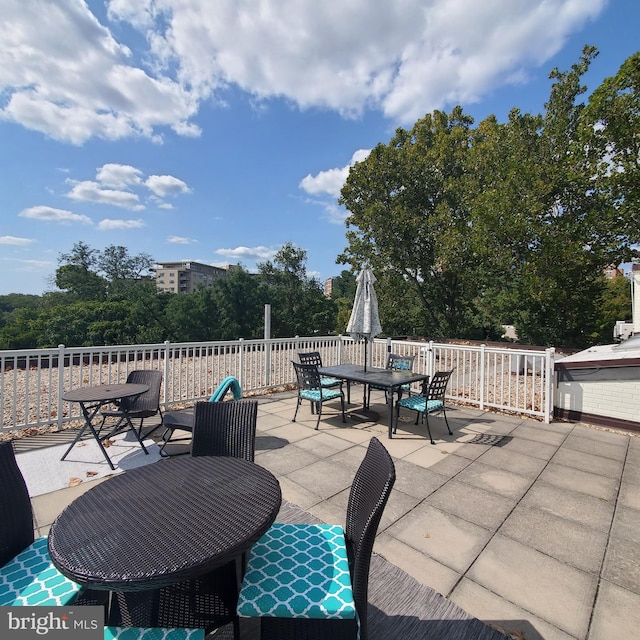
168,523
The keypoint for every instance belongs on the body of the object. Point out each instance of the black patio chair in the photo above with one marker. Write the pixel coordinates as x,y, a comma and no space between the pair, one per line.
273,559
310,388
184,420
314,357
26,571
225,429
431,400
398,363
145,405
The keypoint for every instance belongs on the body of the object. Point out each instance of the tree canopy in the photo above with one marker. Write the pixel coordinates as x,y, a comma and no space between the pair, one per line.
514,223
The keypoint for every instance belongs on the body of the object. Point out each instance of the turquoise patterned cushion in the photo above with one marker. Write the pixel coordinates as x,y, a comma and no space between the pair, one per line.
417,403
298,571
31,579
330,382
314,394
133,633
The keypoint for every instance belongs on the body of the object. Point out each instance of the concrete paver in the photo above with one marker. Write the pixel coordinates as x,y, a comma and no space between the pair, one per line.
563,595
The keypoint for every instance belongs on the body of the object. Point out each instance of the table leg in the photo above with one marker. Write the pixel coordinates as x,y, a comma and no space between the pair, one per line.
88,424
390,403
131,427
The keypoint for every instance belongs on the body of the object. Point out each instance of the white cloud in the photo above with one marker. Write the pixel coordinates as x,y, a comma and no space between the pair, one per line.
34,265
331,181
17,242
180,240
166,185
89,191
64,74
248,253
49,214
326,186
119,176
109,225
402,58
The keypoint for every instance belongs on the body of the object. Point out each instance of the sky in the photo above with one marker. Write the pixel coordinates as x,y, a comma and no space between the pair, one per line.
218,130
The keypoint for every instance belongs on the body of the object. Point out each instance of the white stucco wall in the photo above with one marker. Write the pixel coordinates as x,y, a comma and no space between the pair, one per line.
611,399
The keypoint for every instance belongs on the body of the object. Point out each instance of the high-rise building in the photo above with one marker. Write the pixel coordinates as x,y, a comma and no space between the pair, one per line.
187,276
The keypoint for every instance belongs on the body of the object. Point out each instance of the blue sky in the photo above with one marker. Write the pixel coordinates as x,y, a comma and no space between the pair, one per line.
218,130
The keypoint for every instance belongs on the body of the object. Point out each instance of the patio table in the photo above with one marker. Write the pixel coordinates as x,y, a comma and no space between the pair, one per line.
170,522
389,379
91,399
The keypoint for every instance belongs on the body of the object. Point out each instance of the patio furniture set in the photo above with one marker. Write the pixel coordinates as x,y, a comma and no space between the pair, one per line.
190,544
319,384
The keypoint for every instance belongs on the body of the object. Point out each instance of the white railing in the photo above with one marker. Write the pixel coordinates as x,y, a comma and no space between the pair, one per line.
32,382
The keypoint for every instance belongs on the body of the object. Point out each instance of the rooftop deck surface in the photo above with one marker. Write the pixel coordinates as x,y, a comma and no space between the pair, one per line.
533,528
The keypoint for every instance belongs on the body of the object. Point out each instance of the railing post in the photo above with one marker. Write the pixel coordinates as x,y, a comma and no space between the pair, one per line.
240,362
550,384
267,343
340,348
165,401
60,382
430,360
483,354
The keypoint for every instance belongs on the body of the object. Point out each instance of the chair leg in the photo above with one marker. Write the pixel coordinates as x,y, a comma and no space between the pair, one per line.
166,436
297,407
344,418
444,412
319,415
426,417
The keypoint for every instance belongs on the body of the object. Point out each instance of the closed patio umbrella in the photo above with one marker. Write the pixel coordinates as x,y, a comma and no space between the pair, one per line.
364,322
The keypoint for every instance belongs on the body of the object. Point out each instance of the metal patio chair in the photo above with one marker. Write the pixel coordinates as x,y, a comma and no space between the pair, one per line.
310,388
431,400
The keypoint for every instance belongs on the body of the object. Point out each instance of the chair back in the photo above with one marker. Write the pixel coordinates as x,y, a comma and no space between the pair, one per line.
369,493
16,518
225,429
147,403
400,363
313,357
307,376
438,385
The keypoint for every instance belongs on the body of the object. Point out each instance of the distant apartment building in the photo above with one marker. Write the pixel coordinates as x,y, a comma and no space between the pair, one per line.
612,271
187,276
328,287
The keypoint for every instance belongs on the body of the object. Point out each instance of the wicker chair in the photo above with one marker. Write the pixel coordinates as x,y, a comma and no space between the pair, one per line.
184,420
225,429
26,570
368,496
310,388
431,400
139,407
399,363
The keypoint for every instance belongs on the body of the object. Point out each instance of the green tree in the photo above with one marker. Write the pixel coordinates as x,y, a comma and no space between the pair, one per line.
610,126
614,304
409,215
298,304
192,317
240,302
77,273
122,270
